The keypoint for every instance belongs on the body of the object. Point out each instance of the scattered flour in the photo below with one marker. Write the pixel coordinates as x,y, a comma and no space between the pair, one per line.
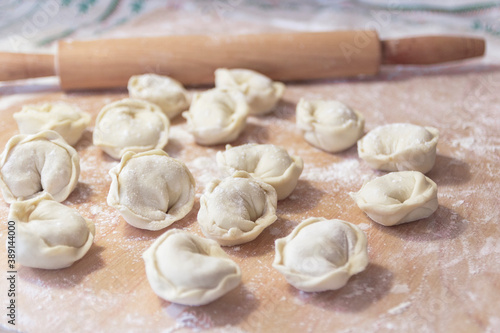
400,289
491,246
399,309
364,226
346,171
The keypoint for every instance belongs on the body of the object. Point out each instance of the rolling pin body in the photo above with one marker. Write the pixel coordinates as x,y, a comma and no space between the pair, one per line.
193,59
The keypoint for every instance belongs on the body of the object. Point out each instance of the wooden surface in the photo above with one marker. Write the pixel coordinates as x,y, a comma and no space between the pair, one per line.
440,274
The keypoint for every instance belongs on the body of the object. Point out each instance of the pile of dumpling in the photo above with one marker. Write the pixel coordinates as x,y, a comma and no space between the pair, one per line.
151,190
39,169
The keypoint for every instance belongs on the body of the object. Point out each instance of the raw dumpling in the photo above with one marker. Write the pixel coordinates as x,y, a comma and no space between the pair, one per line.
151,190
39,162
49,235
321,254
190,270
237,209
163,91
269,163
217,116
398,197
130,124
400,147
66,119
329,125
262,94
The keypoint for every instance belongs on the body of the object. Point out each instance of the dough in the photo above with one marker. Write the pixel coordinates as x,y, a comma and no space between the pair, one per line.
130,124
399,147
190,270
66,119
39,162
49,235
398,197
217,116
163,91
269,163
237,209
321,254
151,190
329,125
262,94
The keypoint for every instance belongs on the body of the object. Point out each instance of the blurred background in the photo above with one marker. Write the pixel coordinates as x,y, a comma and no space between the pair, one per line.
27,26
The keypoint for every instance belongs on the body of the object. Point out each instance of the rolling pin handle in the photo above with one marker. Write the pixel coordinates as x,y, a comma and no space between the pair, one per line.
430,50
16,66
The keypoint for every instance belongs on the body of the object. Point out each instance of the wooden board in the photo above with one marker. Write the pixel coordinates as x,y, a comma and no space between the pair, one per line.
437,274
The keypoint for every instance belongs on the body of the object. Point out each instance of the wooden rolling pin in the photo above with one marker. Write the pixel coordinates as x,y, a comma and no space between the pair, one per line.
192,60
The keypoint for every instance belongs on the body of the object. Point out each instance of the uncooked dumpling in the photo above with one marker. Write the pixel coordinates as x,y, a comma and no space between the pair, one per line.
237,209
163,91
49,235
190,270
321,254
66,119
262,94
151,190
398,197
400,147
130,124
217,116
42,162
329,125
267,162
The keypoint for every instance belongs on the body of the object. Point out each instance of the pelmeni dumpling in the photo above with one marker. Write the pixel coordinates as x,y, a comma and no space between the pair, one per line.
49,235
398,197
237,209
130,124
269,163
190,270
151,190
400,147
163,91
66,119
262,94
321,254
217,116
42,162
329,125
